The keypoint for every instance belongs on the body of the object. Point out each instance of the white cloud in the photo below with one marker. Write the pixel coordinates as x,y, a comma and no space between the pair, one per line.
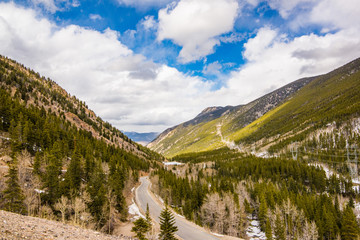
53,6
256,46
143,4
139,95
95,17
212,68
49,5
285,7
274,60
122,87
195,24
149,22
336,14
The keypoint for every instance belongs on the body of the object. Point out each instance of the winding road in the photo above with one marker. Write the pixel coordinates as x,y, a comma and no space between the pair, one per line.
186,229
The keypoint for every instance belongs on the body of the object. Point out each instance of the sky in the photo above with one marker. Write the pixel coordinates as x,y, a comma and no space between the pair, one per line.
146,65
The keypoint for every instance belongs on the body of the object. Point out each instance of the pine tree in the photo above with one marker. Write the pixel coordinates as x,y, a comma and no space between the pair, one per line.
167,225
37,164
147,214
51,180
268,230
13,196
262,212
350,228
279,227
141,227
74,173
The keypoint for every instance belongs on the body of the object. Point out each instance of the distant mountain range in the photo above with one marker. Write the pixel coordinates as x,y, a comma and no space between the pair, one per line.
142,138
290,113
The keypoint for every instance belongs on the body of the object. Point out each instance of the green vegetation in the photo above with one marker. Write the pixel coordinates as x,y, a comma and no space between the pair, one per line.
285,195
66,172
167,225
272,122
13,198
141,227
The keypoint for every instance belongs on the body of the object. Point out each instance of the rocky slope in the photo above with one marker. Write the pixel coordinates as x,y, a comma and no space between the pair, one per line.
15,226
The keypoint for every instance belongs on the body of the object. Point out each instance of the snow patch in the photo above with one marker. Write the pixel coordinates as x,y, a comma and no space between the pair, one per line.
172,163
217,234
39,190
134,210
254,231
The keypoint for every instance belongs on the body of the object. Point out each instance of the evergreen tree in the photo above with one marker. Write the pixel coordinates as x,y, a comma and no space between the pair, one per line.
51,180
350,228
141,227
279,228
13,196
268,230
167,225
74,173
147,214
262,212
37,164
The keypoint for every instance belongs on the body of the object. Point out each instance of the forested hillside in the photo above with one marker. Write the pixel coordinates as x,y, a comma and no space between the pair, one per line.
58,159
292,199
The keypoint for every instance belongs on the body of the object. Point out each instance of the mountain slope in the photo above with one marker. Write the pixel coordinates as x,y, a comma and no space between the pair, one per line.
58,160
289,113
210,129
40,92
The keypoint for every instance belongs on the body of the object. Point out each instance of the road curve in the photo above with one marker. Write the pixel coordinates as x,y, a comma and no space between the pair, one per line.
186,230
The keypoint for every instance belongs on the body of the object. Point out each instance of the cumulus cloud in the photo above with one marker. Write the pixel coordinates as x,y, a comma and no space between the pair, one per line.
149,22
196,24
274,60
336,14
137,94
122,87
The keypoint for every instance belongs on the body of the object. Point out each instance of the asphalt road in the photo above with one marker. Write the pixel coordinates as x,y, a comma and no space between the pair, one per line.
186,230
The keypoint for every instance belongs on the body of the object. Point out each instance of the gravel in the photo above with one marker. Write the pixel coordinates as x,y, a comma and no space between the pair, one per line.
15,226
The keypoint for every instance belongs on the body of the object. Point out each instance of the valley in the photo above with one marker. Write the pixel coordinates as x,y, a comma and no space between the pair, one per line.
284,166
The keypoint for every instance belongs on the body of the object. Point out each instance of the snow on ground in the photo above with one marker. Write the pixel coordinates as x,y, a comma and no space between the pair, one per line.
357,210
39,191
254,231
216,234
134,210
328,171
172,163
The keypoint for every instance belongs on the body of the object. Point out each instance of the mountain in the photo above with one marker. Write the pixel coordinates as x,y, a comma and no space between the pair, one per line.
58,159
142,138
41,92
288,114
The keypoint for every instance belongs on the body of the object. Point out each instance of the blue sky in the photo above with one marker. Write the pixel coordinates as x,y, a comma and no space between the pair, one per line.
146,65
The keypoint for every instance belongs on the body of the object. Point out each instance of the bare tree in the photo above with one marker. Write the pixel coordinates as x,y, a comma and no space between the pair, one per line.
62,205
78,207
110,197
31,201
46,212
